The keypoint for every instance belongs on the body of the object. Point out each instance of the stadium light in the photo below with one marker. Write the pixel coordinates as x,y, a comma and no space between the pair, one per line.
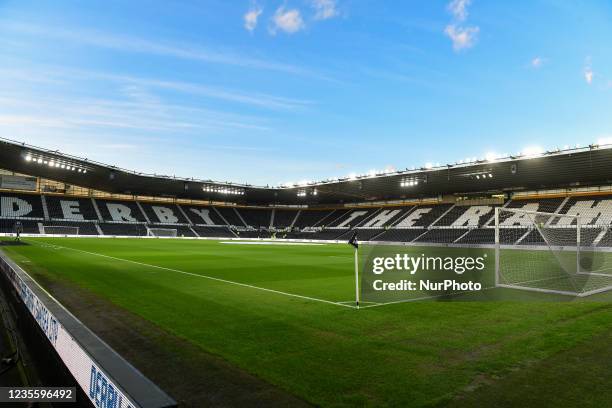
532,151
491,156
28,158
604,141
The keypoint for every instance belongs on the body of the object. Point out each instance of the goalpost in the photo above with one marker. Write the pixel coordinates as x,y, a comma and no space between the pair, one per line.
162,232
59,230
550,253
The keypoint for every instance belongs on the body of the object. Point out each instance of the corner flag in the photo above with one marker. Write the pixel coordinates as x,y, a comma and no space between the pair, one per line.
353,240
354,243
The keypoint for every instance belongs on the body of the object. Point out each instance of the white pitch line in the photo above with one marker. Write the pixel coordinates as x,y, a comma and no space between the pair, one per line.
209,277
421,298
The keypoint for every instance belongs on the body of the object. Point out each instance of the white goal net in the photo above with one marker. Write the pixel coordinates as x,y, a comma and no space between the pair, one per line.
59,230
162,232
547,252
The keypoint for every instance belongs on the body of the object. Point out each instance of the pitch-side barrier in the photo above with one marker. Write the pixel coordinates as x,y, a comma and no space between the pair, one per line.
73,355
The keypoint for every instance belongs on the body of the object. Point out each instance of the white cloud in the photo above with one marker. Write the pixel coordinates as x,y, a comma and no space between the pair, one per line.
250,18
462,37
289,21
458,9
325,9
537,62
588,71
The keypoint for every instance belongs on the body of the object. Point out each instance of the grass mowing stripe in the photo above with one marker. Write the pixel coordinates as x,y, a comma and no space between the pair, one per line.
205,277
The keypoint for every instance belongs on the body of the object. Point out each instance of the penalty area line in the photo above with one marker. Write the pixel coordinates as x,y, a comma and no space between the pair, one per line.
246,285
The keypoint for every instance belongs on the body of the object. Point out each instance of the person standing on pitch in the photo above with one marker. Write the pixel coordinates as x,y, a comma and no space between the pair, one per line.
18,230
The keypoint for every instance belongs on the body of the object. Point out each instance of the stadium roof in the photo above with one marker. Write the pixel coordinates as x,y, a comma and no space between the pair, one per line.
569,168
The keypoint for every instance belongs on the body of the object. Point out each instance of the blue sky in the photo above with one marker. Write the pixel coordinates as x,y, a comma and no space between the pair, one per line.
288,90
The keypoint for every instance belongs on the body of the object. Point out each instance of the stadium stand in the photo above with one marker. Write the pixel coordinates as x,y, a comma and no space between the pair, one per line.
222,232
422,216
284,218
122,229
478,236
231,216
363,234
401,235
467,216
312,218
202,215
592,210
70,208
162,213
29,227
21,206
542,205
442,236
351,218
431,223
120,211
69,227
256,218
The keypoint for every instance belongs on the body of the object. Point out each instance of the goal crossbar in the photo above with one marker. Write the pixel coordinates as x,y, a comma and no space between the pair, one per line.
162,232
60,230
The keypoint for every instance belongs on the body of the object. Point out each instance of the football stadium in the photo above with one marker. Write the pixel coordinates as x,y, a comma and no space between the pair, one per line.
154,255
251,290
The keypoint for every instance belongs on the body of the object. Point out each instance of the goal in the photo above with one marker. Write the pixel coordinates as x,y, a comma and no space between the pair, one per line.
551,253
59,230
162,232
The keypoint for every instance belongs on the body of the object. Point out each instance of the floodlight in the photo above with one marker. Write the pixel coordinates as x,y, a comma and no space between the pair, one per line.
491,156
532,151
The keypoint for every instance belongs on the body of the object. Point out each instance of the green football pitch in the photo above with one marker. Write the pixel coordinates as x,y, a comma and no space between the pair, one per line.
284,313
